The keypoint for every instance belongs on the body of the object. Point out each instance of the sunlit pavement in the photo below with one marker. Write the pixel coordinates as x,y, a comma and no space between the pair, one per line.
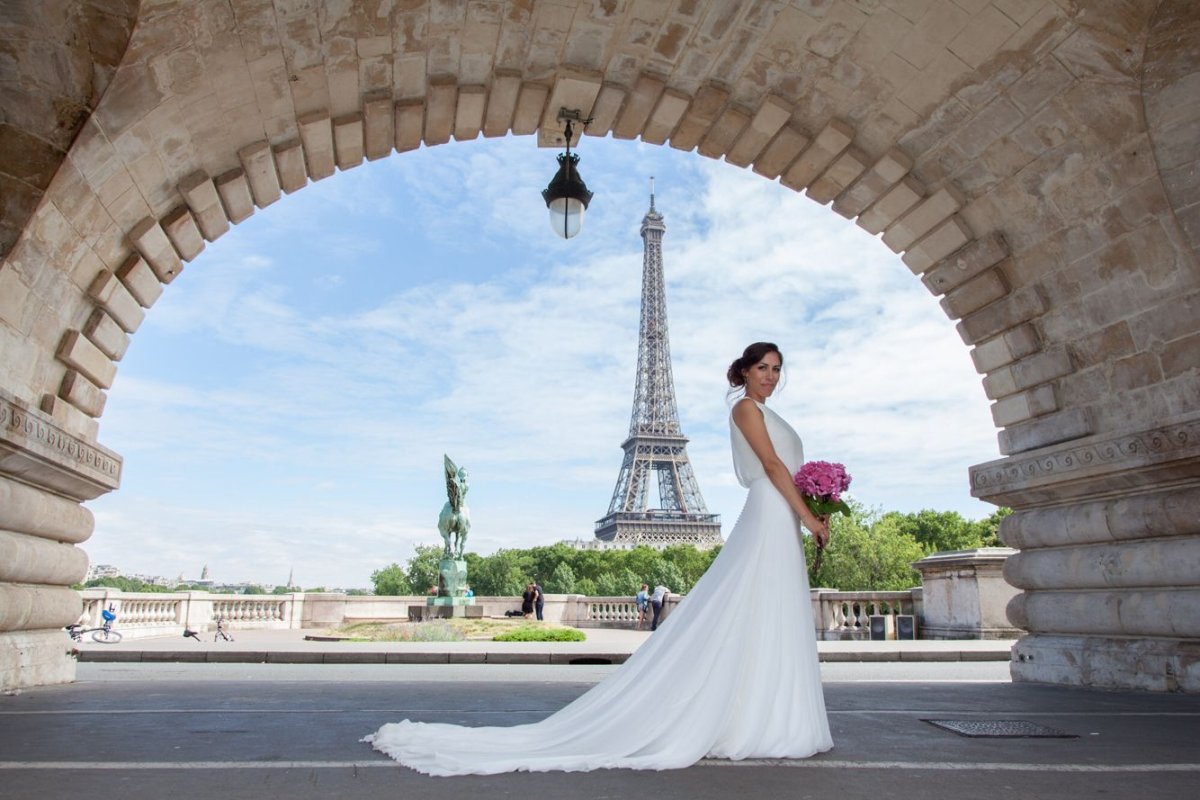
603,645
241,730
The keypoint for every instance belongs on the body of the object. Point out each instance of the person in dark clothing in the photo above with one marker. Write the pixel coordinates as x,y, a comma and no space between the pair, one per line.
539,599
527,601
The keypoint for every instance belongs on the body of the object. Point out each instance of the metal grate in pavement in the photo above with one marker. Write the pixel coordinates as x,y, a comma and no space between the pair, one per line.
1000,729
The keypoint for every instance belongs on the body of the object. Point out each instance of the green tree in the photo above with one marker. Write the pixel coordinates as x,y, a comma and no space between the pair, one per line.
423,568
618,584
628,582
504,574
642,561
543,561
282,590
253,588
607,586
591,564
391,580
691,563
669,576
562,580
587,586
989,527
866,554
936,531
121,583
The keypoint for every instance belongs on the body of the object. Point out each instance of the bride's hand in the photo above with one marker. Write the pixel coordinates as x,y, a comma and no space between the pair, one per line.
820,531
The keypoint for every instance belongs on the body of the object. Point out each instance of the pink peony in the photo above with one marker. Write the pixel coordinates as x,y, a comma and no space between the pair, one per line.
823,480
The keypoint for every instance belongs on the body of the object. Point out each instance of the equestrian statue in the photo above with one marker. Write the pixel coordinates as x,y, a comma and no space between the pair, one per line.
455,519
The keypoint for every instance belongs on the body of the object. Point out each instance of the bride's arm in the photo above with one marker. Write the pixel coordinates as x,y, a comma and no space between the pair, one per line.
749,419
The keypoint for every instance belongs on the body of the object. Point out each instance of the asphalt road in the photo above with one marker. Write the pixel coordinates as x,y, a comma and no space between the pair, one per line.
292,731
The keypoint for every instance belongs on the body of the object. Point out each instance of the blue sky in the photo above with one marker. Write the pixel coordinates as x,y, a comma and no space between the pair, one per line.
287,402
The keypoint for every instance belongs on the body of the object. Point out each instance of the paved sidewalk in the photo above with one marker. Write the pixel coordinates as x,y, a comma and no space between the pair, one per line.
603,646
282,736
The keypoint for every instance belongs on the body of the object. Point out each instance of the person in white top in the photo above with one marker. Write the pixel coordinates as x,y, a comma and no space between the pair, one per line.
657,598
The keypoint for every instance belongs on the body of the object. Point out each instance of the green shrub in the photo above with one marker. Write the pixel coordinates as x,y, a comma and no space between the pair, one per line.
536,633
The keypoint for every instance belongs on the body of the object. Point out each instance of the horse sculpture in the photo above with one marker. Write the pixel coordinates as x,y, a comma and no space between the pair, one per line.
455,519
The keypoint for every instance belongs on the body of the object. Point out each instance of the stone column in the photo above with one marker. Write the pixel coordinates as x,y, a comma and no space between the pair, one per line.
964,595
45,473
1108,530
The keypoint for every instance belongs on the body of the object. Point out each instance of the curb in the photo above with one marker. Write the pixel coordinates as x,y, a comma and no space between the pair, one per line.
370,657
381,657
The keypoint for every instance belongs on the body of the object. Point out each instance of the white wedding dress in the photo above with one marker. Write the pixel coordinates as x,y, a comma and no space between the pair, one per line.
731,673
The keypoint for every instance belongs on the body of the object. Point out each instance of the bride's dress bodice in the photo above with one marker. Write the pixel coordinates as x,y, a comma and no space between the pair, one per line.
785,440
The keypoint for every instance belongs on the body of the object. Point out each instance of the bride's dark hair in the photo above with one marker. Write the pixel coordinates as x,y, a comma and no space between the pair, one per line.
750,356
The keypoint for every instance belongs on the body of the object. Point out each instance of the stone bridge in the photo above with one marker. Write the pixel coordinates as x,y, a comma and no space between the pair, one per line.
1034,162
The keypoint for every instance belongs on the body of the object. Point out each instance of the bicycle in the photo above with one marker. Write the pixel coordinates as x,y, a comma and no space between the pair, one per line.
103,635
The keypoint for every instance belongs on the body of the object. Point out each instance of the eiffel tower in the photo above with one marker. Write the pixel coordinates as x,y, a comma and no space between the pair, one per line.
655,442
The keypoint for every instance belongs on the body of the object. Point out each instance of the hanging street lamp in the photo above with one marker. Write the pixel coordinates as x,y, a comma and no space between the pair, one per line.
567,196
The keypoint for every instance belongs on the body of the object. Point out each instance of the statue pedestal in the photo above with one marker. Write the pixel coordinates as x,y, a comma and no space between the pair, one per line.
451,599
452,581
445,608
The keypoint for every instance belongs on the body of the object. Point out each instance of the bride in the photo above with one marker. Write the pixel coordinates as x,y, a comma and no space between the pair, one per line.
732,673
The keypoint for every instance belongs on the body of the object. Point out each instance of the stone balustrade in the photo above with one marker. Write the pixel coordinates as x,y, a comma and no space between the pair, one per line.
840,616
142,615
963,596
612,612
836,615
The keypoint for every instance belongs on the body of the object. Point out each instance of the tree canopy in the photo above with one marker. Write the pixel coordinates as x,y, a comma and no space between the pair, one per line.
870,551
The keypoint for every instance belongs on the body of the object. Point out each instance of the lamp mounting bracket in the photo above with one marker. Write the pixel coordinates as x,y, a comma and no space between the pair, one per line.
572,115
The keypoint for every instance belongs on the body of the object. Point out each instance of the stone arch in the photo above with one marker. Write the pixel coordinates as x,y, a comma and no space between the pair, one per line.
63,57
1012,150
914,221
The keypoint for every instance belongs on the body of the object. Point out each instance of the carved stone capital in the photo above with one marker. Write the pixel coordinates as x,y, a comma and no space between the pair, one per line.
34,450
1105,465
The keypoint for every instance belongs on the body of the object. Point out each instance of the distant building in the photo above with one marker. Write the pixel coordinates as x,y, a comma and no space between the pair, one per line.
102,571
205,580
153,580
600,544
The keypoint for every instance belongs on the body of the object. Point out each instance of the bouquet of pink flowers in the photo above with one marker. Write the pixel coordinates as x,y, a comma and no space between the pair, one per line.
821,483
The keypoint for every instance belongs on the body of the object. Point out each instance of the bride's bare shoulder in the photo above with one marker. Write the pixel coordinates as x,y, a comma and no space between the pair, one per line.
744,410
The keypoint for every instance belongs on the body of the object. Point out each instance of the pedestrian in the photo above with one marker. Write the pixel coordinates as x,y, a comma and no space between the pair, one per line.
657,599
642,601
539,599
527,601
222,633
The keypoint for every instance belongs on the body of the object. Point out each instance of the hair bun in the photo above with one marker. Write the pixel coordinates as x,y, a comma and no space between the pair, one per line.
734,373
